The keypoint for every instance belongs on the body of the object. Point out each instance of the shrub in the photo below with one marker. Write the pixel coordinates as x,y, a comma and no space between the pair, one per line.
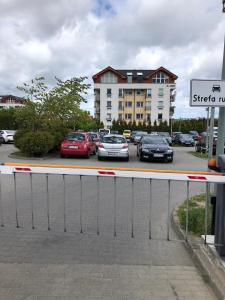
37,143
196,215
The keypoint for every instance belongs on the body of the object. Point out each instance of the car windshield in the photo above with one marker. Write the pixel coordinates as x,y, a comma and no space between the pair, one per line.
140,133
75,137
126,131
113,140
153,140
163,133
186,136
10,131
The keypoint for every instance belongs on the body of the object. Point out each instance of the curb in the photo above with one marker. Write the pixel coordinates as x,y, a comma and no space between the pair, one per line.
206,260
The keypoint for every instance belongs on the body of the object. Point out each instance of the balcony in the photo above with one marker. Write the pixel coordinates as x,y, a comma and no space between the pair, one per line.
120,107
148,107
160,106
109,107
108,119
172,98
97,110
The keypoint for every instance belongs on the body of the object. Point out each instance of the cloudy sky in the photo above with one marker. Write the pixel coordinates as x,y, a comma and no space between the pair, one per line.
70,38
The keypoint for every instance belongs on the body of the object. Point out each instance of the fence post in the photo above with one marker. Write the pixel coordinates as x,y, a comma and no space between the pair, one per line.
220,211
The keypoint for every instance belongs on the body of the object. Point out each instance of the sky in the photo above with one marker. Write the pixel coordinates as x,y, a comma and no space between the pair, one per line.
68,38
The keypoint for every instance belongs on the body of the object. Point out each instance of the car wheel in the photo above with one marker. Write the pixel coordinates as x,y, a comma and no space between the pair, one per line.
141,158
127,158
100,158
94,152
62,155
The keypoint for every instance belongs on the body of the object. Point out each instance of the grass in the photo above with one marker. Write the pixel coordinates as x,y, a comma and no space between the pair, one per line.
196,215
200,155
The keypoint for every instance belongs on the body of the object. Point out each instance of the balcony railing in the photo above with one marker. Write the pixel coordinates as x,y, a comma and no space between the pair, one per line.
160,106
109,107
108,119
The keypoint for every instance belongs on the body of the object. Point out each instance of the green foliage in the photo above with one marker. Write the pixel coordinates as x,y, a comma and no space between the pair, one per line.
184,125
37,143
196,215
7,118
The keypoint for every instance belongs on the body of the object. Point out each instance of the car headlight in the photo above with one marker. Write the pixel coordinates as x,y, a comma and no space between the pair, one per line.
145,150
169,151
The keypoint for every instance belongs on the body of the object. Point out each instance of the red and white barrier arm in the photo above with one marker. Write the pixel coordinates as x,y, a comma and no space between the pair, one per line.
115,172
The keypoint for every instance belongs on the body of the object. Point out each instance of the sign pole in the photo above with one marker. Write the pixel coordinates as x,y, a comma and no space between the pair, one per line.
221,121
211,132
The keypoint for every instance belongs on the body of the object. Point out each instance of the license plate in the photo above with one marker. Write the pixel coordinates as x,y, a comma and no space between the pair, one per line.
112,153
73,147
158,155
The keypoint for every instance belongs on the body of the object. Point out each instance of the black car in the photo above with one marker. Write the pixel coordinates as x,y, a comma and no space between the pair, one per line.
153,147
167,136
184,140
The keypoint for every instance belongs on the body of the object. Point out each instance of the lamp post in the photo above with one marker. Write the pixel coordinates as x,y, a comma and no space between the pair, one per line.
221,121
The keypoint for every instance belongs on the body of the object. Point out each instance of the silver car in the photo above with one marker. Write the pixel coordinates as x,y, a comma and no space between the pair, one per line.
113,145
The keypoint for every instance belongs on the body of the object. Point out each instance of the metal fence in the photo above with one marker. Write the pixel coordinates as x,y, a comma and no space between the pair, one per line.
101,200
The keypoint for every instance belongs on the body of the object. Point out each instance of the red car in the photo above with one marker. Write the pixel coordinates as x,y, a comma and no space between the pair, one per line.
77,143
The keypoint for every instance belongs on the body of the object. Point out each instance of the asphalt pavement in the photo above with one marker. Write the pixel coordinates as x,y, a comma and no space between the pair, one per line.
88,265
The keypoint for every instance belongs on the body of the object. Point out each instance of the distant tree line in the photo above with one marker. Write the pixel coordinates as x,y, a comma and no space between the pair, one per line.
183,125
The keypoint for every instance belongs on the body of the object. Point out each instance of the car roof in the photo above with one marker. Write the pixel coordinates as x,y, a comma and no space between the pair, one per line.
117,135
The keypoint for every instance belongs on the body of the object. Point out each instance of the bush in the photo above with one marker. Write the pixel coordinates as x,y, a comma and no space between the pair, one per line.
37,143
196,215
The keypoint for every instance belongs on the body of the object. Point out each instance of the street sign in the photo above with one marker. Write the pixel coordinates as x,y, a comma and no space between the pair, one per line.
207,93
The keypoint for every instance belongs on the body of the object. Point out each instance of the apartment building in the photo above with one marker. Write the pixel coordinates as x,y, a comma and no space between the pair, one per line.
134,95
8,101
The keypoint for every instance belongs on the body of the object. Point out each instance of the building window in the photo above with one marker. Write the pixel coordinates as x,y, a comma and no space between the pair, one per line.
160,104
160,117
128,104
109,104
129,78
128,116
149,93
160,92
120,92
120,105
139,116
109,117
109,77
109,93
148,117
160,78
128,92
140,104
120,116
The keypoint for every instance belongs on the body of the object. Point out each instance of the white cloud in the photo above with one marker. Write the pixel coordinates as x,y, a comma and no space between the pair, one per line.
70,38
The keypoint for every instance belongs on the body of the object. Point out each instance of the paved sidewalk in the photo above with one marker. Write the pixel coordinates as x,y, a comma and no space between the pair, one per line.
82,281
55,266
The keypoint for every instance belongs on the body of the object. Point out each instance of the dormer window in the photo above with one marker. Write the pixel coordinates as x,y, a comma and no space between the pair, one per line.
129,77
109,77
160,78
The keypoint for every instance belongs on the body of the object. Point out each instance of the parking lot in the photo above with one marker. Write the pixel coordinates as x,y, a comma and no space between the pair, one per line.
182,160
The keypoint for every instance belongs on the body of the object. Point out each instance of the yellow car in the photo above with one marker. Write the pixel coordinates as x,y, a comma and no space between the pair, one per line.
127,134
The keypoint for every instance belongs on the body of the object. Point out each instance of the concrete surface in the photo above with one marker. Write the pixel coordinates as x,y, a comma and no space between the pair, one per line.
56,265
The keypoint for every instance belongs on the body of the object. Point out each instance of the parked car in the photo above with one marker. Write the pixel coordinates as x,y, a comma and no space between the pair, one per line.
77,143
153,147
113,146
7,136
96,138
174,134
184,140
138,136
194,134
133,133
127,134
201,144
167,136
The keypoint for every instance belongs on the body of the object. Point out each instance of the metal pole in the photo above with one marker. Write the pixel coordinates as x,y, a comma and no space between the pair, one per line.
211,133
207,131
221,121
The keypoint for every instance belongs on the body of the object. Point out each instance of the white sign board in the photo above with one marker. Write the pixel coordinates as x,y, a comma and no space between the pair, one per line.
207,93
